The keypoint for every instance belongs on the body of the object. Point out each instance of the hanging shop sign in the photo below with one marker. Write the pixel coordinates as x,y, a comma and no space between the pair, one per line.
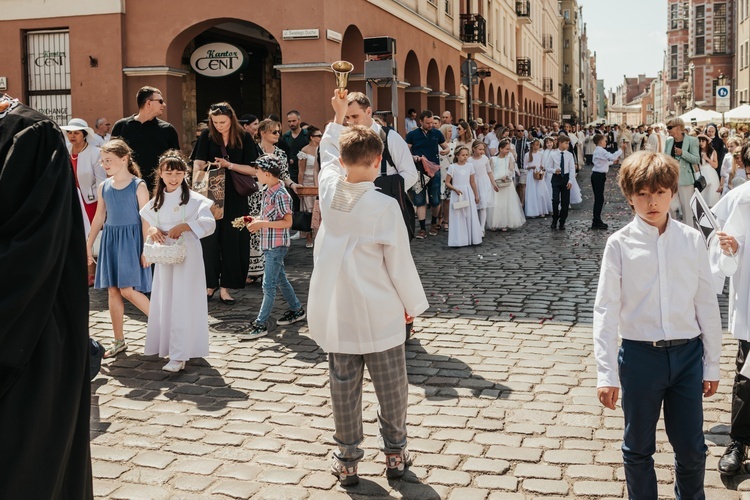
218,59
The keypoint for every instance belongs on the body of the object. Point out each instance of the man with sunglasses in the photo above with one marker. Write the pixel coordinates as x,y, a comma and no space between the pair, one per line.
146,134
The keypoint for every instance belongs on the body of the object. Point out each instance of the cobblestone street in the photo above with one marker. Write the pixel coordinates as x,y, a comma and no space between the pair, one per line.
502,389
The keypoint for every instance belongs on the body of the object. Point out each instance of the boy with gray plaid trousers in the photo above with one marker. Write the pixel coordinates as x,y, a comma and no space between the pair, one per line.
364,282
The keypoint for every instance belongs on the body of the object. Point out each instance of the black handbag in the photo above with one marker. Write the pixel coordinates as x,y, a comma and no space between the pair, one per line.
699,183
393,186
302,221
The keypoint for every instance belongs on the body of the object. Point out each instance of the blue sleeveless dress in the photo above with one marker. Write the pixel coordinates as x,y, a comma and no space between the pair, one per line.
119,262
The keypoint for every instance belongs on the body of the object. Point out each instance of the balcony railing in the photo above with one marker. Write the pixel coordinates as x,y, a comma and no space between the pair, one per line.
473,29
547,85
523,9
523,67
547,43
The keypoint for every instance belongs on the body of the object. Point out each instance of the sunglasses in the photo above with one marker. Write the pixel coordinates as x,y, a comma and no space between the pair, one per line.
221,109
276,132
670,127
160,101
317,135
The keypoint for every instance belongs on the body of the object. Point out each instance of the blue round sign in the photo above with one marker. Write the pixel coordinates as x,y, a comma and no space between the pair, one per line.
722,91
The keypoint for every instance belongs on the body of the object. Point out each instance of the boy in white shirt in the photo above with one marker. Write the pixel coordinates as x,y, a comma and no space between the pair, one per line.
656,293
363,284
601,159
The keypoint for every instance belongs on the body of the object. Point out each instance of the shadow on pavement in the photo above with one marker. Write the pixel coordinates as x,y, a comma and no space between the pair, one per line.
198,383
442,377
408,487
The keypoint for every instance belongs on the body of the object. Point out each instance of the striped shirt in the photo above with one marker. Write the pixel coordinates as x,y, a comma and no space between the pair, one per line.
276,204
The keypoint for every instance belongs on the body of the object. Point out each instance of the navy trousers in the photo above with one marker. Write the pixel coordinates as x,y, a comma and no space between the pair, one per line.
650,376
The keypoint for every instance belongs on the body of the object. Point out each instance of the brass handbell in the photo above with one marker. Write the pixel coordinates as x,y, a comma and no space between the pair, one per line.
341,70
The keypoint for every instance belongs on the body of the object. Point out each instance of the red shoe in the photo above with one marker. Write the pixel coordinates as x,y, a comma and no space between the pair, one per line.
91,280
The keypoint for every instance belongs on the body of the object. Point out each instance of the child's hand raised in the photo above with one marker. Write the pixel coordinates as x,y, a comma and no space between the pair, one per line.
340,104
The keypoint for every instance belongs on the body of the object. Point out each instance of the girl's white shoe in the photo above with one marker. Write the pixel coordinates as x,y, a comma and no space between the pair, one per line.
174,366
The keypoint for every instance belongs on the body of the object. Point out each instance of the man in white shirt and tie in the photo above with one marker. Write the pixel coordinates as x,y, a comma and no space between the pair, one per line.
561,163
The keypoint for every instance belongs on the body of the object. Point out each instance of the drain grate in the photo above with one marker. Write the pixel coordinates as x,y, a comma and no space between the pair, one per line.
228,326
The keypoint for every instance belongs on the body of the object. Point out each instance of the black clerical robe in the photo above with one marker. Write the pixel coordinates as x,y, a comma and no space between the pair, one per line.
44,367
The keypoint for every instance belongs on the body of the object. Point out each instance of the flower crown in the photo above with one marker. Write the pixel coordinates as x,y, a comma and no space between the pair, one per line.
172,157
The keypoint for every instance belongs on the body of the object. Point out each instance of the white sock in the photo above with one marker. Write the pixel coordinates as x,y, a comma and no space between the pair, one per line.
482,217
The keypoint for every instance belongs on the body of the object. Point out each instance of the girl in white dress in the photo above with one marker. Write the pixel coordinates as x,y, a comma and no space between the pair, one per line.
549,145
709,162
536,190
464,229
507,212
445,162
485,182
178,319
731,168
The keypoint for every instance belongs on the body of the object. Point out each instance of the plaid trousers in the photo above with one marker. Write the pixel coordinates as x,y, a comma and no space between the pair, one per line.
388,374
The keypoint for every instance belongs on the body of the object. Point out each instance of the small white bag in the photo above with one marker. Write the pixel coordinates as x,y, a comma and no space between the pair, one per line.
462,202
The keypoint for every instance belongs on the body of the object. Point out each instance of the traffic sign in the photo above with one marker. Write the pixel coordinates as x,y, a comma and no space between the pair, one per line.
469,67
722,98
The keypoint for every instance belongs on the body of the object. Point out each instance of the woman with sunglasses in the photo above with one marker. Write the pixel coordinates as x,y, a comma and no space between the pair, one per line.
226,252
269,131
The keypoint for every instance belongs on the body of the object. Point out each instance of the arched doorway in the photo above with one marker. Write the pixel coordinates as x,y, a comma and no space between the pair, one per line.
353,50
434,98
413,99
491,101
452,102
253,87
479,110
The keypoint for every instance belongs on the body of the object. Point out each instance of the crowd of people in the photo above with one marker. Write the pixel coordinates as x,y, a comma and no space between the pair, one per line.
134,190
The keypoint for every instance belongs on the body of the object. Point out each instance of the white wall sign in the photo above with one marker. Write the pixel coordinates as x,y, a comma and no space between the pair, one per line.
218,59
309,34
335,36
3,83
722,98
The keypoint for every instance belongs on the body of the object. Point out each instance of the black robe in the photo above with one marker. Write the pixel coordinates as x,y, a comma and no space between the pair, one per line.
45,392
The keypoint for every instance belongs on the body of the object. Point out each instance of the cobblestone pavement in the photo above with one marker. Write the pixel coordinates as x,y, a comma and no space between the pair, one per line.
502,389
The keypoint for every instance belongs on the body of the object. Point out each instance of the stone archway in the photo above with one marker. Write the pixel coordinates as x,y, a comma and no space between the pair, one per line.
412,75
435,99
452,100
353,50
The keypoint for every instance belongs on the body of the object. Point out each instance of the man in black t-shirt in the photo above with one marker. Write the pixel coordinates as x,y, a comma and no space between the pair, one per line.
147,135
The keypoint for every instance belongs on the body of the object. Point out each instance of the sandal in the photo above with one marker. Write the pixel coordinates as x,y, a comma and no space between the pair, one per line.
116,348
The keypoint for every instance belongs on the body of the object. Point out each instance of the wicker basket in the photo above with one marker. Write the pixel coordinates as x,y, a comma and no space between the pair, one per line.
538,175
168,253
307,191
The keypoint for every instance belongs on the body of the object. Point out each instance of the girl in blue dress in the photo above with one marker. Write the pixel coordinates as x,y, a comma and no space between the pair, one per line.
121,269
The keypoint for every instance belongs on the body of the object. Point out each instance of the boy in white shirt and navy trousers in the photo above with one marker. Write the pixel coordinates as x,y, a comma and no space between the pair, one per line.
364,282
561,163
601,159
656,293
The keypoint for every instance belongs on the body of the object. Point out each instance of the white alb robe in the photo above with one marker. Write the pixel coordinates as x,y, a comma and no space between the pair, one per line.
178,314
364,277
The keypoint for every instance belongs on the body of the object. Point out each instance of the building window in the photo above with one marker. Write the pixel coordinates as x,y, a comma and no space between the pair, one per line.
566,44
673,63
47,62
673,16
700,30
447,4
720,28
566,68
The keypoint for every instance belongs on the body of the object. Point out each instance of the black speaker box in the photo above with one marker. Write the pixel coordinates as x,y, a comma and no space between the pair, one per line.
380,45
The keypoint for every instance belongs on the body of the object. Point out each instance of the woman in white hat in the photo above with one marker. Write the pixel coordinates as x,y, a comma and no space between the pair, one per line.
88,173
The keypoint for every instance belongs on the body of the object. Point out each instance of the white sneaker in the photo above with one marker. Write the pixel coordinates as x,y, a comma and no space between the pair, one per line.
295,236
174,366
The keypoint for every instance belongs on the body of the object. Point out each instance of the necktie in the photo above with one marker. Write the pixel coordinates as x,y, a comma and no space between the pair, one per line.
562,163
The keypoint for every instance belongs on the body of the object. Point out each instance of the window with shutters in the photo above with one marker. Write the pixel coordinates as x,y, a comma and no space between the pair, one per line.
47,72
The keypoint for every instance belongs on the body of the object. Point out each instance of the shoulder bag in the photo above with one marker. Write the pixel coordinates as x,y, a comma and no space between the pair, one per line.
393,186
245,185
210,183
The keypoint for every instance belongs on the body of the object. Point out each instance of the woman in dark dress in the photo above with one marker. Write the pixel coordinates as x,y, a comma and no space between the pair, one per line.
226,252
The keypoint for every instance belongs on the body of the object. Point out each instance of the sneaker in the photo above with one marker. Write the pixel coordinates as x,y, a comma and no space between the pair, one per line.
174,366
347,476
421,234
733,459
115,348
295,236
291,316
259,330
396,464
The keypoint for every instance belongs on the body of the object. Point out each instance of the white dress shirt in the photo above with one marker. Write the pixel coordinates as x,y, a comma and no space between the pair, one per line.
655,287
410,124
738,266
401,156
602,159
364,277
553,163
